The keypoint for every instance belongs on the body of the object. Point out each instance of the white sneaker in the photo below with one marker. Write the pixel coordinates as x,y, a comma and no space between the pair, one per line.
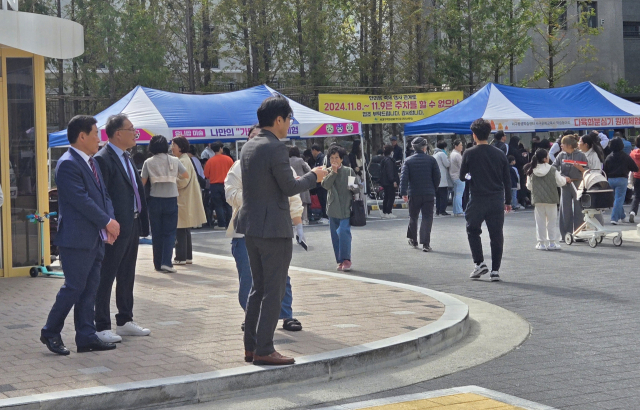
324,221
108,336
383,216
541,246
553,246
168,269
614,222
132,329
494,276
177,262
480,270
189,262
632,216
391,216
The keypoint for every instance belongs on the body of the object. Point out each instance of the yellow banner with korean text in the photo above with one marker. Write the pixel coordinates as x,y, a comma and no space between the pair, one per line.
394,108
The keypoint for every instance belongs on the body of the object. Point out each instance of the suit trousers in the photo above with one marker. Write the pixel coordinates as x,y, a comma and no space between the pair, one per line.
418,204
239,252
120,265
184,248
81,279
489,210
269,259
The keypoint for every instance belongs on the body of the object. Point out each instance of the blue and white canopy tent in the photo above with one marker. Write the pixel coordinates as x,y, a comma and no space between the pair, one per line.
513,109
208,118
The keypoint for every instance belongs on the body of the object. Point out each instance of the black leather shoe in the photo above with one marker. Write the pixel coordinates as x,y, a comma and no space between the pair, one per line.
96,346
55,345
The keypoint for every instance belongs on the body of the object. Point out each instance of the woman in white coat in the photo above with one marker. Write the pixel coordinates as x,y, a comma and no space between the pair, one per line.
442,193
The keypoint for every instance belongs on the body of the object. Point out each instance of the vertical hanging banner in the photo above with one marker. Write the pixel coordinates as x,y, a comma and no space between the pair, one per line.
395,108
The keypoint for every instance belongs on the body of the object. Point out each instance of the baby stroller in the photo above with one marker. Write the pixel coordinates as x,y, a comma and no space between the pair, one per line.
595,194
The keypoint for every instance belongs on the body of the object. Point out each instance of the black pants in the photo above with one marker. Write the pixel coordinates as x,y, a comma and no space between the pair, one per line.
119,264
442,199
389,199
417,204
322,197
465,196
636,196
184,251
220,205
489,210
269,259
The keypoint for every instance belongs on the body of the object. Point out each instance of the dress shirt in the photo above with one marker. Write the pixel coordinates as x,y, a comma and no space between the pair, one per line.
84,156
127,168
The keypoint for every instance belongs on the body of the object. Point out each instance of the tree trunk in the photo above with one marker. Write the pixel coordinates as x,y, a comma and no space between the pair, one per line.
62,123
247,43
470,47
511,56
550,78
253,23
190,63
206,42
76,84
301,54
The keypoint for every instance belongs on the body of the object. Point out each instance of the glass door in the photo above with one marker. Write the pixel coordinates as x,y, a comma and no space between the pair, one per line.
22,192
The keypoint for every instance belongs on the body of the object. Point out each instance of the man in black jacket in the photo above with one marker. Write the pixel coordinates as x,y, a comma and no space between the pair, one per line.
418,182
490,197
130,208
388,181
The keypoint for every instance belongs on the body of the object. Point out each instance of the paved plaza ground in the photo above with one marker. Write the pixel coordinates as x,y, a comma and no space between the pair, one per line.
195,318
582,304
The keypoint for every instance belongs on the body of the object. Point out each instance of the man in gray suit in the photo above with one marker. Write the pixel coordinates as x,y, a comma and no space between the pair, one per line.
265,221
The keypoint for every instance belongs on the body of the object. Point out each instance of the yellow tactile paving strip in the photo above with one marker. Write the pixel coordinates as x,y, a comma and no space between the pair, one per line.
464,401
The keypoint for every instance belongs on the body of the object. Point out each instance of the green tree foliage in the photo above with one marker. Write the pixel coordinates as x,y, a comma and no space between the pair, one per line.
563,38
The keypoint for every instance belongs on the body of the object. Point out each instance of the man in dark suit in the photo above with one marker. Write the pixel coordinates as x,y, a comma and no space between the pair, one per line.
130,208
265,221
86,222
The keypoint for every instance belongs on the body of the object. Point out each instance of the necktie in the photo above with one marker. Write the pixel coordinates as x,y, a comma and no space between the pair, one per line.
133,181
93,169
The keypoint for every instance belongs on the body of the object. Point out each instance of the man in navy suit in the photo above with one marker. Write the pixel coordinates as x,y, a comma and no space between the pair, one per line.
130,209
86,222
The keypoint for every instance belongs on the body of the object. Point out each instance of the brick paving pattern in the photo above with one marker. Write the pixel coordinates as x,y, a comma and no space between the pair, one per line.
195,318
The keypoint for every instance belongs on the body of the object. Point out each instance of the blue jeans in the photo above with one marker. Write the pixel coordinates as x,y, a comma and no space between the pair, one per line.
239,252
620,190
514,198
163,216
341,238
458,191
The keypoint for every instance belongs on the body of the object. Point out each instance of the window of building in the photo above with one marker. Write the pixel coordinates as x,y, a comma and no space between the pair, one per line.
559,9
631,29
590,12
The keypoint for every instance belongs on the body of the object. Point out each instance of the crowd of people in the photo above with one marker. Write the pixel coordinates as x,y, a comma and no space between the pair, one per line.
108,199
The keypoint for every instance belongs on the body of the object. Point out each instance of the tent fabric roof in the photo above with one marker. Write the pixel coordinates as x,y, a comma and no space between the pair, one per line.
513,109
213,117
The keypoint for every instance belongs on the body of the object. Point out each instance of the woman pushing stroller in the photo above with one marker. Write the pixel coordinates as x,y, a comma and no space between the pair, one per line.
570,209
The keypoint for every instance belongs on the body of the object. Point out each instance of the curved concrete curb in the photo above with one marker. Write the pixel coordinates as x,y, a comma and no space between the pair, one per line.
450,328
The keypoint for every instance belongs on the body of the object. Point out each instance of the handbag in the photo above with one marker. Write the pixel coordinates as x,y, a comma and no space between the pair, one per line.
358,210
358,214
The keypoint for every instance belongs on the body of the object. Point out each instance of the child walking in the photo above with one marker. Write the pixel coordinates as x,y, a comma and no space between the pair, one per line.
543,181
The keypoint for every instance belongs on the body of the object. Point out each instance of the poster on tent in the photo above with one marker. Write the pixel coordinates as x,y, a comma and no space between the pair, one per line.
395,108
337,129
531,124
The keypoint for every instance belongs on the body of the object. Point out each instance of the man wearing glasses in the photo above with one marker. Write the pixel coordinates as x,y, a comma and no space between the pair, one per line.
130,208
265,220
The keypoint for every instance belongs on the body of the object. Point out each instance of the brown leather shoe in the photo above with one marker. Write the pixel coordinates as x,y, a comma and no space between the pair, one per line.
274,359
248,356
